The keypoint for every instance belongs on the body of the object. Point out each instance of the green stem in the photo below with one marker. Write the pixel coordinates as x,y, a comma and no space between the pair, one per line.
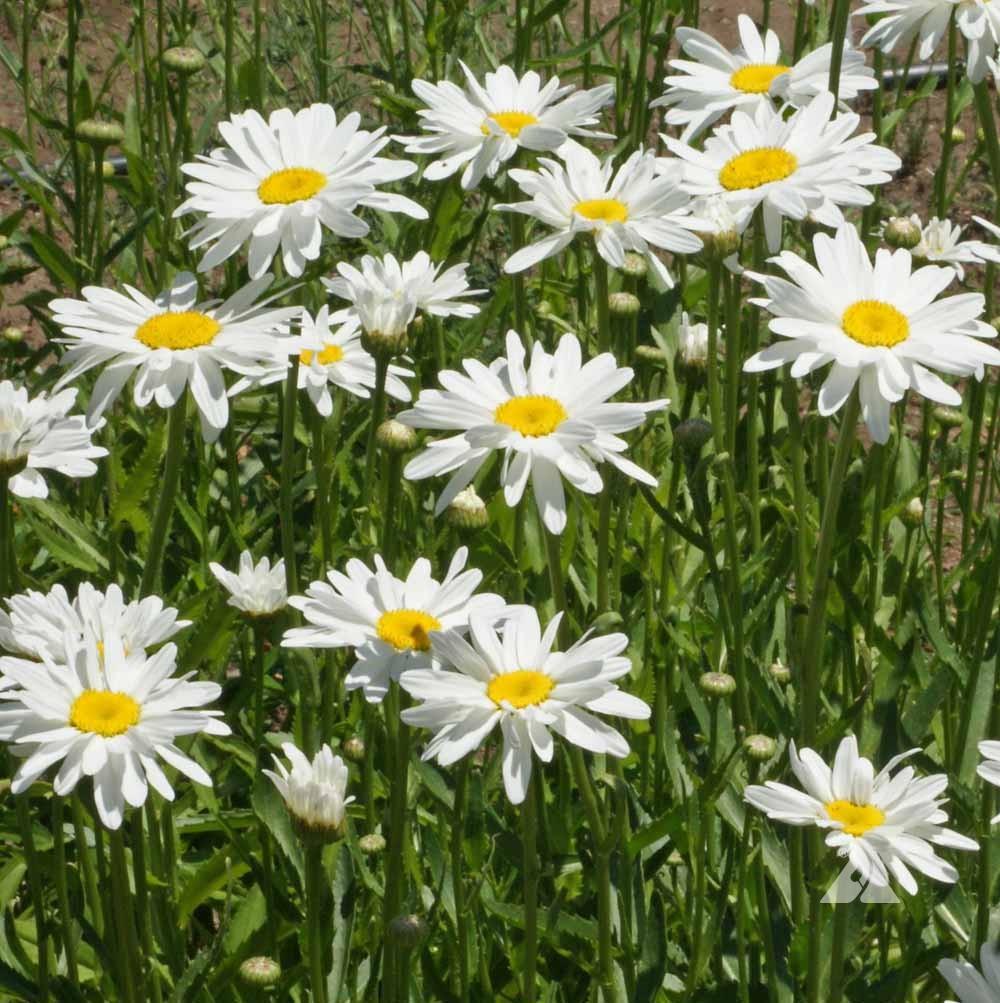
121,899
458,879
377,415
36,891
601,297
176,426
286,493
62,889
841,915
529,877
151,976
314,920
947,139
85,862
841,11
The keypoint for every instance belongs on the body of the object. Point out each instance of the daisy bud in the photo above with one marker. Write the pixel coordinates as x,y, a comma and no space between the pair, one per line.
692,350
948,417
107,169
260,973
354,748
408,931
623,305
650,354
692,435
717,684
913,514
395,437
902,232
636,266
13,335
184,60
467,510
4,241
780,672
544,309
957,134
371,843
759,748
99,133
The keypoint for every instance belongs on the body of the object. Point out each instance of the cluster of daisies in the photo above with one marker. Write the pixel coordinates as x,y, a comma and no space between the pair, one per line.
89,682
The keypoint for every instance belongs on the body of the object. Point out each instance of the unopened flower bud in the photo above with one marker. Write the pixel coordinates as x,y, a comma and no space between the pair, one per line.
692,435
395,437
636,266
957,134
467,510
759,747
902,232
651,354
107,169
611,620
408,930
13,335
780,672
371,843
183,59
4,241
913,514
624,304
260,972
99,133
948,417
717,684
692,349
354,749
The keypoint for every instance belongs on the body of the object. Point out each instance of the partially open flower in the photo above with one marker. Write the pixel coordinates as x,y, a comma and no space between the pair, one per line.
314,792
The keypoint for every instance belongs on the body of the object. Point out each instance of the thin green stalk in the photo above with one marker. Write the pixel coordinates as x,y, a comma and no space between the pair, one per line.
377,415
529,879
841,916
121,907
85,862
812,655
877,460
151,976
36,890
286,507
947,138
841,11
314,920
395,876
601,297
461,971
176,427
69,933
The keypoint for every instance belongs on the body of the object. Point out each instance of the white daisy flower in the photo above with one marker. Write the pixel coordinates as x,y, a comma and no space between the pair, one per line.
171,343
804,166
551,420
336,356
692,343
277,183
36,435
388,620
716,80
971,985
482,127
880,325
511,677
315,793
109,717
989,768
927,21
631,209
256,589
984,251
883,824
39,623
941,243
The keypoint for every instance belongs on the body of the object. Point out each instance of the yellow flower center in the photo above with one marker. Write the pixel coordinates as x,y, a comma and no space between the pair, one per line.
756,78
512,122
407,629
602,210
856,819
293,184
522,688
757,167
533,415
187,329
102,712
875,324
327,357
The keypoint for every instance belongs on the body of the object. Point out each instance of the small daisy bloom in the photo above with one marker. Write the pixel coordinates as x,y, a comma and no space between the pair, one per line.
969,983
256,589
329,355
551,419
40,622
315,793
880,325
716,80
36,435
511,677
388,621
631,209
692,343
109,717
276,184
478,129
806,165
883,824
172,343
941,243
927,21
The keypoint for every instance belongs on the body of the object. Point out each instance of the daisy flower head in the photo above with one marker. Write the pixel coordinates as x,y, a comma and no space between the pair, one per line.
984,251
509,675
478,129
989,768
941,243
109,717
806,165
277,183
37,434
172,343
50,623
880,324
926,21
388,621
551,419
971,984
883,823
716,80
631,209
692,343
315,792
333,354
258,590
